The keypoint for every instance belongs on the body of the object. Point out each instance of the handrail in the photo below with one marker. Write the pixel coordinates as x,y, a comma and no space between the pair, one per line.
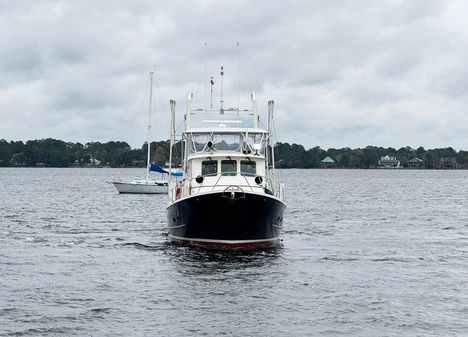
245,177
265,184
214,184
187,186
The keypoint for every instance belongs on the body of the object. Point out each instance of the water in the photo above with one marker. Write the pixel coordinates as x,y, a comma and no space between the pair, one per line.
366,253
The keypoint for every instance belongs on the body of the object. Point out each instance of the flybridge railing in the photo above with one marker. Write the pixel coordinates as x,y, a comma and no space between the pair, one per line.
237,110
247,117
251,183
222,119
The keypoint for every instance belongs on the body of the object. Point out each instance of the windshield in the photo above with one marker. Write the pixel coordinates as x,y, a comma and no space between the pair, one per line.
243,142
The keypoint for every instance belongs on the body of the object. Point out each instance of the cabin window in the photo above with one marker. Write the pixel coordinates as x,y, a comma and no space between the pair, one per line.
199,143
226,142
247,168
228,167
209,167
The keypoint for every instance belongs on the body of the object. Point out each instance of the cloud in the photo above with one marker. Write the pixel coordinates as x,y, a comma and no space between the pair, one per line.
354,73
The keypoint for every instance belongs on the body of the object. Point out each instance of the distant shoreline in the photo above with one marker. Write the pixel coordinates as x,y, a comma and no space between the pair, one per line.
117,154
278,168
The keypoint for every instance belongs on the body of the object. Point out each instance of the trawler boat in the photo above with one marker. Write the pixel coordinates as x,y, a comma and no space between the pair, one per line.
230,196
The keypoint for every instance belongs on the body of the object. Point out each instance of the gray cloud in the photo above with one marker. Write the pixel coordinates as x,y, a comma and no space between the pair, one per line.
354,73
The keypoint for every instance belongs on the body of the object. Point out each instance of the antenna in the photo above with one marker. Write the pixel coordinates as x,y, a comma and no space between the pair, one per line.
222,75
254,110
238,77
211,100
204,75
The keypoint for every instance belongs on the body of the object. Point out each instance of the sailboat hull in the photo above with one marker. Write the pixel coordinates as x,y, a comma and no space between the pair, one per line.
143,187
221,221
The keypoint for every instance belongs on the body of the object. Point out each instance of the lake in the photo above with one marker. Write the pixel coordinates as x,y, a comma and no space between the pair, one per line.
365,253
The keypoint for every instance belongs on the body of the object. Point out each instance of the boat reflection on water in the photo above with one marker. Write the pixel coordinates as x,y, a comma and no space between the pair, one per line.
204,262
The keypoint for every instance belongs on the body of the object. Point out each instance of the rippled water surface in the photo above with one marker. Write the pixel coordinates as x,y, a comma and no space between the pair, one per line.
365,253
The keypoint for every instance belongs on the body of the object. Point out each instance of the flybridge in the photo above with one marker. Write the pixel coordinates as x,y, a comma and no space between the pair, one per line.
224,129
222,117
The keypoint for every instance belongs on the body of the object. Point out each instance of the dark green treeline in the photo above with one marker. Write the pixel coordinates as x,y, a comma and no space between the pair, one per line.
56,153
296,156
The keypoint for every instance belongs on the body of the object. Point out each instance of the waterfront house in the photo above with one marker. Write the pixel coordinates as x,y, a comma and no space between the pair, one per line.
328,162
389,162
448,163
415,163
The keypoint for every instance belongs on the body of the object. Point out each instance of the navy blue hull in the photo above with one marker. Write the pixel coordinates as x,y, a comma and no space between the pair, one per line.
214,219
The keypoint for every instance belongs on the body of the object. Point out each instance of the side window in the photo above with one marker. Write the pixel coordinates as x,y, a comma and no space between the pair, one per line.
228,167
248,168
209,167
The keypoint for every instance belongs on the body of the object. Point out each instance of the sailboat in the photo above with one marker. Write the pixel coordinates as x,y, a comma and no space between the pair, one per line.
148,185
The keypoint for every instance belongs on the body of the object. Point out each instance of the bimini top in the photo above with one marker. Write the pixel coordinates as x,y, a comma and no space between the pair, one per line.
222,129
225,120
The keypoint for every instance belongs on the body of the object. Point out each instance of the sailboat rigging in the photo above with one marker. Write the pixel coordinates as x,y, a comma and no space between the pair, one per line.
148,185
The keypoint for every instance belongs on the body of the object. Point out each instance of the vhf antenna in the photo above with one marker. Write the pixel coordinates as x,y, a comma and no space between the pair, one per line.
238,78
211,100
222,74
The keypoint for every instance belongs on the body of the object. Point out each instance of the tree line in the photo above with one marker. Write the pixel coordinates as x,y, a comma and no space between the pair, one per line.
296,156
57,153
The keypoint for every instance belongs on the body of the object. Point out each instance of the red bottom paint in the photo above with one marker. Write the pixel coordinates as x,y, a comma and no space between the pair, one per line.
228,245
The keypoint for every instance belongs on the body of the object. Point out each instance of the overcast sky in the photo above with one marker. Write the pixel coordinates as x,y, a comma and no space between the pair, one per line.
342,73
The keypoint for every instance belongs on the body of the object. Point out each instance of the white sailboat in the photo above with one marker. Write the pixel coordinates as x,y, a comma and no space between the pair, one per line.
148,185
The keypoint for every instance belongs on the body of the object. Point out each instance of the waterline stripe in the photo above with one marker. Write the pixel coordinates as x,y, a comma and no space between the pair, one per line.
222,241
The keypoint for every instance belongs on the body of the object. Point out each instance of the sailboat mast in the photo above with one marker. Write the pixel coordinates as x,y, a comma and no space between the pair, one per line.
172,140
148,162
